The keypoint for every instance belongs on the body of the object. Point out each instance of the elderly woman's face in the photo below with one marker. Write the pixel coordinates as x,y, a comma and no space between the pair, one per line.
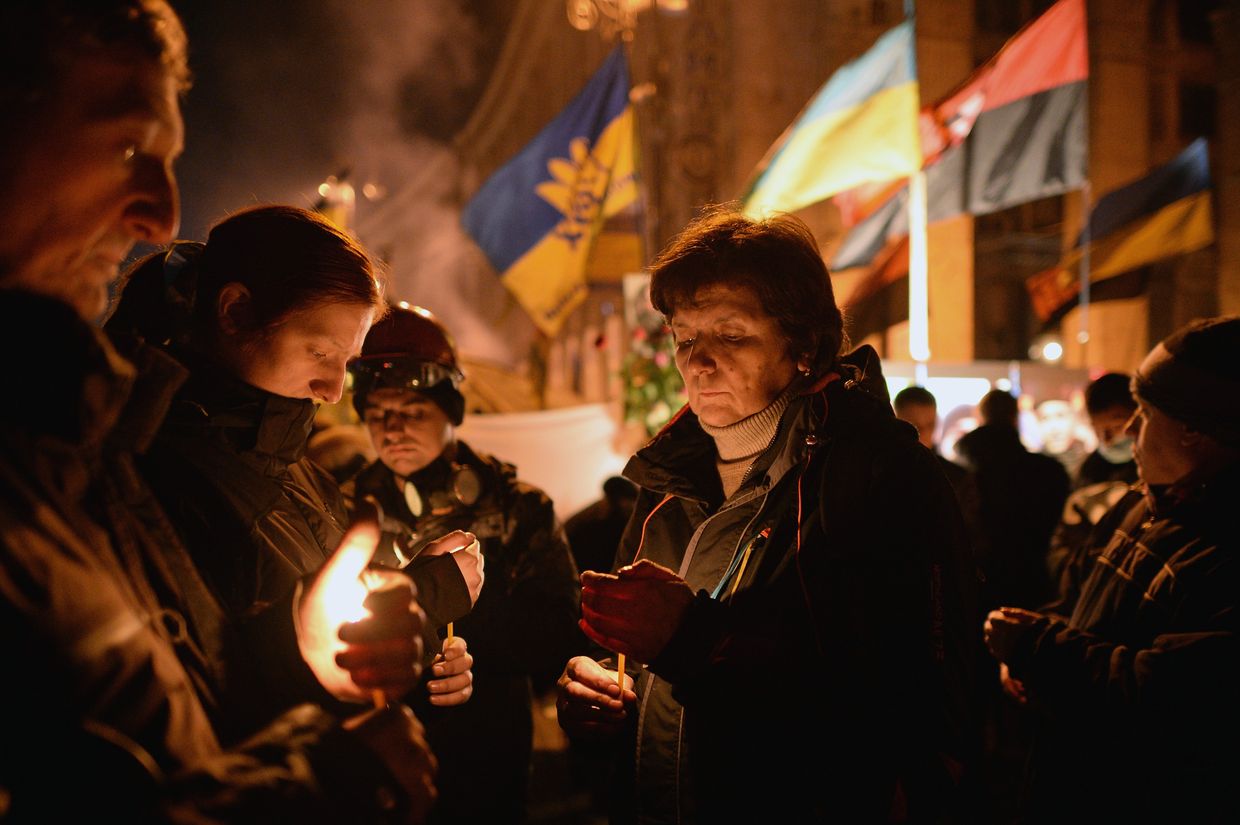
732,355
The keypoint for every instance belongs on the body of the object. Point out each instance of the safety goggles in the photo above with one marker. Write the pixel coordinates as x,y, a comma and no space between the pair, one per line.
401,373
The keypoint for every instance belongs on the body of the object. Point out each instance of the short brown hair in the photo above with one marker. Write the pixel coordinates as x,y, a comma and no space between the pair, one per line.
39,38
289,259
777,258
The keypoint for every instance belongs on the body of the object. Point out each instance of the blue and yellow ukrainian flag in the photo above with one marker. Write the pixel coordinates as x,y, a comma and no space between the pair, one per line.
538,216
861,127
1166,213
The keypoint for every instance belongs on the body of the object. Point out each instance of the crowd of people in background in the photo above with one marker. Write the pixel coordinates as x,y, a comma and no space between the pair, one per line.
791,607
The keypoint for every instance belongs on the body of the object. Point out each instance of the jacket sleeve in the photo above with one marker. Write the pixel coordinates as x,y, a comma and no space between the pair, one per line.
1178,676
443,596
267,674
302,768
889,624
442,592
883,589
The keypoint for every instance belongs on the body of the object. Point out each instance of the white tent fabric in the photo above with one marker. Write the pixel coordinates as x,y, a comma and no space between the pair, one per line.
568,451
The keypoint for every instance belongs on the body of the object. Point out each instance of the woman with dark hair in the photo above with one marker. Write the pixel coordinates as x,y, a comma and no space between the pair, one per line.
791,578
265,315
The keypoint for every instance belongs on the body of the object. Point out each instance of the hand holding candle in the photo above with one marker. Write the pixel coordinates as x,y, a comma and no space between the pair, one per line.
592,700
635,611
452,672
359,629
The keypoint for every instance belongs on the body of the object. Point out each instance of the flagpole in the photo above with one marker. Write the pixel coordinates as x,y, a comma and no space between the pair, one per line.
918,276
1082,335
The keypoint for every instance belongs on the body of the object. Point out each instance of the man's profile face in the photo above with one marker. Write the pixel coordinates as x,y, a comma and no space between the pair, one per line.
1160,451
924,418
88,175
409,430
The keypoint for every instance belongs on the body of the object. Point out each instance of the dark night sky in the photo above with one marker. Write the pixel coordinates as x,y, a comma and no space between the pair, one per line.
288,93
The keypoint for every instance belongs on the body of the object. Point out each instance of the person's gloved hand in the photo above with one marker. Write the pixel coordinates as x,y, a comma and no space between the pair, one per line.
589,702
397,737
359,630
467,554
454,677
636,610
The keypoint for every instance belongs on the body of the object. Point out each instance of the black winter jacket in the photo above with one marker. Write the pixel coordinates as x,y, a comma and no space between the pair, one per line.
821,674
1019,500
1137,689
230,468
108,629
521,631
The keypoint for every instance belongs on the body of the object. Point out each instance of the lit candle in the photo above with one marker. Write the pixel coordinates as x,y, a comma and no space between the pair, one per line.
338,598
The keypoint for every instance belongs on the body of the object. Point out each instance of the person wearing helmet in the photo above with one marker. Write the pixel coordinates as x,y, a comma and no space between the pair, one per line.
407,390
264,317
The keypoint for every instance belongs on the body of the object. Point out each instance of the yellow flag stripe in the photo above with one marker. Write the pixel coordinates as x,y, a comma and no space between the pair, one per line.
1178,228
875,140
549,279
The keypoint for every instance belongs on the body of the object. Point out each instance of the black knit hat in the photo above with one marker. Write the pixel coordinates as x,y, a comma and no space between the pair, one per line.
1193,375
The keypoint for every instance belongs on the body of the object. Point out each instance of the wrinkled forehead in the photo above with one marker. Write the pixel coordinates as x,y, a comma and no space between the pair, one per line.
720,298
112,84
98,91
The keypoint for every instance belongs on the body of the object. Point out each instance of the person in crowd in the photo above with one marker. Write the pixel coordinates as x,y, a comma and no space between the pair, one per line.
407,390
265,315
1109,402
108,708
917,406
1060,433
594,531
1020,497
1102,480
1134,689
959,421
791,591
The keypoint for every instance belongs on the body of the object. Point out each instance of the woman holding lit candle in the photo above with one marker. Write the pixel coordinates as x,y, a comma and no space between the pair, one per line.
265,316
790,585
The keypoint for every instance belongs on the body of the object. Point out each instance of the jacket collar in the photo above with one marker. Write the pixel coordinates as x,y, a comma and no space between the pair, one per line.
378,480
270,431
159,376
1215,492
680,459
78,383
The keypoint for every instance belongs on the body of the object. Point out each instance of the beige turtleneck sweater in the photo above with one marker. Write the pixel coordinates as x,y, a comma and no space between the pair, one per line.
740,443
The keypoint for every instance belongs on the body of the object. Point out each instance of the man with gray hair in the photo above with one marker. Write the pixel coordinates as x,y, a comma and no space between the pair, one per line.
112,697
1135,691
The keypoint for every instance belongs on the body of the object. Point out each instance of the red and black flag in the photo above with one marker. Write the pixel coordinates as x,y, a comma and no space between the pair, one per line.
1013,132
